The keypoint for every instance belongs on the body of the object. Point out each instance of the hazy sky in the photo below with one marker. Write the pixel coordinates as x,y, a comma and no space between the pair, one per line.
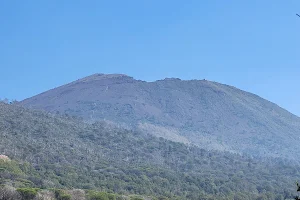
253,45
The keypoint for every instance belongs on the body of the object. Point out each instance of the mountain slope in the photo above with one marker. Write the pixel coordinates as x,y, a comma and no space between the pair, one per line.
67,153
208,114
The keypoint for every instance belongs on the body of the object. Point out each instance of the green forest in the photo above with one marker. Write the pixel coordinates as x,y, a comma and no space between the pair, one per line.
60,155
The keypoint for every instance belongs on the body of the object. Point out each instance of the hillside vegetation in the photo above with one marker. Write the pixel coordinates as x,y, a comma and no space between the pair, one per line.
64,152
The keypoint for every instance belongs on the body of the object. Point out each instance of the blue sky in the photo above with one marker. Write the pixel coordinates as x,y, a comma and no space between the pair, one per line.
253,45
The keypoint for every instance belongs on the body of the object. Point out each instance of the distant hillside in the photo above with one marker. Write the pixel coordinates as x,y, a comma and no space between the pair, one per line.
208,114
68,153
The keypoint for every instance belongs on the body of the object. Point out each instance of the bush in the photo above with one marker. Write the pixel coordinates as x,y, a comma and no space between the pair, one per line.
111,196
136,198
101,196
27,193
61,195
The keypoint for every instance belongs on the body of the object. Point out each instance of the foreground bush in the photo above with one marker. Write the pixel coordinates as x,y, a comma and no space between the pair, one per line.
100,196
27,193
62,195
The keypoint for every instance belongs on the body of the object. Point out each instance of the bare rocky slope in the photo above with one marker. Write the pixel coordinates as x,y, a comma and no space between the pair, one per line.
208,114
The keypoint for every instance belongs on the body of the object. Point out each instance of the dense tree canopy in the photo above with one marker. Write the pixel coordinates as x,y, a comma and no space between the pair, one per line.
62,152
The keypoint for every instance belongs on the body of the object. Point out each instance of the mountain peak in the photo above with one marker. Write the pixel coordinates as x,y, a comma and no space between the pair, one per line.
205,113
110,78
100,76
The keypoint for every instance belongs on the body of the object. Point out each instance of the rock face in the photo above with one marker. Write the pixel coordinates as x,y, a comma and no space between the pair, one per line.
200,112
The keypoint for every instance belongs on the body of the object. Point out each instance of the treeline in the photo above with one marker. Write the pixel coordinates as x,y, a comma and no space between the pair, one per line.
63,152
11,193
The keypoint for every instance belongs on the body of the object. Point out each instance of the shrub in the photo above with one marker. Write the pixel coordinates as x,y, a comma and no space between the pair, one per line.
27,193
101,196
136,198
111,196
61,195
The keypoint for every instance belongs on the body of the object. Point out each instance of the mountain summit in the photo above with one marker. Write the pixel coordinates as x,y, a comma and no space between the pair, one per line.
101,77
200,112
